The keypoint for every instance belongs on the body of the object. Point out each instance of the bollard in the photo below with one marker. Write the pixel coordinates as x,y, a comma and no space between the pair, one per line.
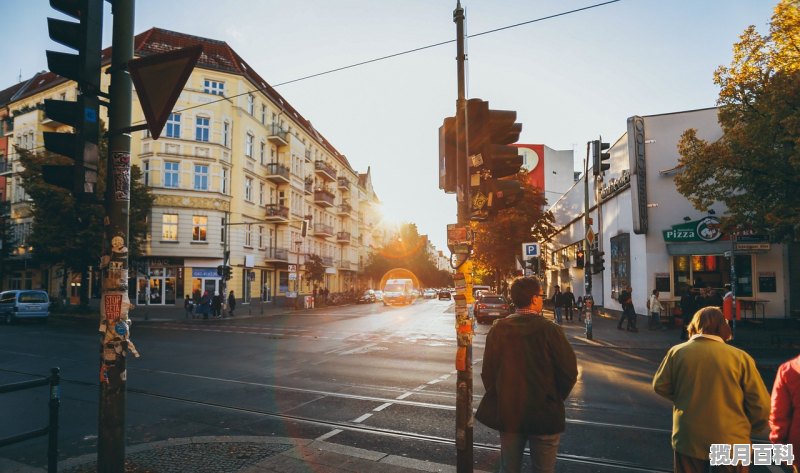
52,429
588,308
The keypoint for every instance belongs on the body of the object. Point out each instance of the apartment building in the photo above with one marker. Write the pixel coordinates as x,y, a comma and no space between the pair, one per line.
237,169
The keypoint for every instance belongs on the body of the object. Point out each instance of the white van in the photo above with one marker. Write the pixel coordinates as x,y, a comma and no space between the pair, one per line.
24,304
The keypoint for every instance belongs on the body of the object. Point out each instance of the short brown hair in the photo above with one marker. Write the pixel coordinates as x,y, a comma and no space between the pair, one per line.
710,321
523,289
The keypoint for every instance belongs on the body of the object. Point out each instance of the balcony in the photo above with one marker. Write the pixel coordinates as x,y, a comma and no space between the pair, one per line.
324,198
5,209
343,237
277,254
325,170
278,135
343,183
344,264
6,168
278,173
321,229
277,213
308,187
327,261
345,209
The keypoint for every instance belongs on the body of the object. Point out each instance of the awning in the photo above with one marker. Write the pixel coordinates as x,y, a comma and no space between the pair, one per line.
698,248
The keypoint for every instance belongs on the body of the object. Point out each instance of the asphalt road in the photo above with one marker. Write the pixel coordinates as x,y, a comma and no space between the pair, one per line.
369,376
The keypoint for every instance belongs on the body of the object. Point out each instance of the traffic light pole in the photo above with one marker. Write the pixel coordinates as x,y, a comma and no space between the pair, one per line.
115,303
464,422
588,305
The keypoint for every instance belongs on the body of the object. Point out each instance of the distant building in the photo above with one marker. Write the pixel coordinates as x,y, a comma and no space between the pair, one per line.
549,170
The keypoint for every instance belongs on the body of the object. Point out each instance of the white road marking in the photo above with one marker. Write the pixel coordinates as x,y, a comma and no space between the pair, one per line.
362,418
382,407
434,381
404,395
329,434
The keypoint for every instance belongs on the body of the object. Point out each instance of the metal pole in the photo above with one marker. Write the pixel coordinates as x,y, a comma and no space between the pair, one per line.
733,286
52,428
588,307
115,303
464,424
226,256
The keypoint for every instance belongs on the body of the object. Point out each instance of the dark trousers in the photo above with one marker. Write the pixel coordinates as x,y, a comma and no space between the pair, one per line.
628,315
568,312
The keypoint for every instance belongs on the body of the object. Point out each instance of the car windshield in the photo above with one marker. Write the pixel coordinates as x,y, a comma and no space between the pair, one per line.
493,300
36,297
394,288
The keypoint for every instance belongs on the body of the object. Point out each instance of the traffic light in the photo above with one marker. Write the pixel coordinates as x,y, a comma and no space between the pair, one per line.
448,179
82,115
598,262
226,273
599,155
580,261
493,163
220,270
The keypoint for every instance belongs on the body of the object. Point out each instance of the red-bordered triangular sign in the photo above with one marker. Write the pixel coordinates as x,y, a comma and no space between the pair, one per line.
159,80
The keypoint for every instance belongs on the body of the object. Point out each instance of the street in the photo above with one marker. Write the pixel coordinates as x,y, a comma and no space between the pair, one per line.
368,376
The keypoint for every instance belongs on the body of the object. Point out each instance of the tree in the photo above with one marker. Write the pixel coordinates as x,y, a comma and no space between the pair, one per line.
409,251
754,168
315,270
498,242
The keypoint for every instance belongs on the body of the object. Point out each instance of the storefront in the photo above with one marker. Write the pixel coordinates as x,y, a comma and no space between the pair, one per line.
160,282
205,280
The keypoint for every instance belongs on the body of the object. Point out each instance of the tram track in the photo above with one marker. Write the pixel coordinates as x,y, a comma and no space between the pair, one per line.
350,426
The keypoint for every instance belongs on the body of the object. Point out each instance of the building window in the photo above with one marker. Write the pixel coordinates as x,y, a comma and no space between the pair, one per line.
224,184
174,125
248,189
146,173
214,87
263,114
202,129
260,237
171,173
260,193
169,227
200,177
251,104
263,153
248,145
226,134
199,227
248,235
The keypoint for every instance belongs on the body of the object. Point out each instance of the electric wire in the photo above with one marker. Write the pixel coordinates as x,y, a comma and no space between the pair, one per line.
383,58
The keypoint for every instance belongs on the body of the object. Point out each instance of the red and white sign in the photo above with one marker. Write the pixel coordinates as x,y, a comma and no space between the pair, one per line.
533,161
112,306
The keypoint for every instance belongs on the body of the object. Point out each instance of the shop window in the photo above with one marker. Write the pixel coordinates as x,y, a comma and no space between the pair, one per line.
620,262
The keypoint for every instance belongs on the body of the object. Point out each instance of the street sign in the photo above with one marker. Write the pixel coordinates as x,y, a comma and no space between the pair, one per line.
159,80
292,276
590,236
530,250
292,268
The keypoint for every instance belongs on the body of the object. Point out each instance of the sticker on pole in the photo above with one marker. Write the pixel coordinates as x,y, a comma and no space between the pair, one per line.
530,250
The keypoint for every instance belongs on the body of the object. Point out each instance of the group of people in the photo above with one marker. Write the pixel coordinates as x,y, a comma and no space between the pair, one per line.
207,305
719,398
564,304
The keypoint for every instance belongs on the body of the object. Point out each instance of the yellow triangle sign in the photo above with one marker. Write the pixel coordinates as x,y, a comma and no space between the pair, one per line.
159,80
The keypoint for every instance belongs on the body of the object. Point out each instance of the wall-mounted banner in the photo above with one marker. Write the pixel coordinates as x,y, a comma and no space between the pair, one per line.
706,229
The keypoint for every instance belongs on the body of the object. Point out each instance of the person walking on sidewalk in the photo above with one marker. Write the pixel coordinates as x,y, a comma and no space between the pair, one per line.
529,369
188,307
558,303
231,303
717,393
568,300
784,416
628,312
654,307
205,305
216,306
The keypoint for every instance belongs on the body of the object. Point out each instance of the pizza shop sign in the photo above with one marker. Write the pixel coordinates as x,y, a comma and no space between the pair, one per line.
706,229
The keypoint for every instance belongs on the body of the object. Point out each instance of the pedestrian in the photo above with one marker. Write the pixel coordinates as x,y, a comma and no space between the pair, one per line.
784,416
580,305
628,312
654,307
231,303
717,393
188,307
216,306
205,305
557,304
529,369
568,301
688,308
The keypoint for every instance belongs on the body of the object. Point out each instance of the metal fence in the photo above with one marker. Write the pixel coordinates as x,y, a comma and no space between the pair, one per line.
51,430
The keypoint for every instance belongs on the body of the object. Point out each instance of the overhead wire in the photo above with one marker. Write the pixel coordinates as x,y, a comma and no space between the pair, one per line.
388,56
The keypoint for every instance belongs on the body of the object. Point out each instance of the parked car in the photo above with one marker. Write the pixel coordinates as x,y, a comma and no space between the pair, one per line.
24,304
367,298
429,293
444,296
490,307
379,296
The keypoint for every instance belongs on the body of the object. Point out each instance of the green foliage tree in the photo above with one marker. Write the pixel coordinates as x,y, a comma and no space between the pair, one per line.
407,251
498,242
754,168
315,270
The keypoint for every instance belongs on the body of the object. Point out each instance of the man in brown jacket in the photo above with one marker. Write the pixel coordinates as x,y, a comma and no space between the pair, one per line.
529,369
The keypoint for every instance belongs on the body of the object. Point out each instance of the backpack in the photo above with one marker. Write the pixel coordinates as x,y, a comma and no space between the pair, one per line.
648,304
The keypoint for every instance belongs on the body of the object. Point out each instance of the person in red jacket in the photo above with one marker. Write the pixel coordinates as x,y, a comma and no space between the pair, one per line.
784,416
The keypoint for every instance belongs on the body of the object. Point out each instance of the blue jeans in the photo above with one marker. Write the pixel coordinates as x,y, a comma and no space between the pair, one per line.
557,311
543,452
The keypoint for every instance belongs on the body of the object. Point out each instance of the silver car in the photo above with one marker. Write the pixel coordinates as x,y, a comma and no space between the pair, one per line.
24,304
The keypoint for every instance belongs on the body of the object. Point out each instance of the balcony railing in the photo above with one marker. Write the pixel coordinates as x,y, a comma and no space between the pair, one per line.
345,209
343,237
322,229
6,167
324,198
278,173
325,170
277,212
277,254
278,135
343,183
327,261
308,187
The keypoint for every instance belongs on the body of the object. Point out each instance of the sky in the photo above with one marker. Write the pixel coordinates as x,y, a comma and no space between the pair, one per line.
570,78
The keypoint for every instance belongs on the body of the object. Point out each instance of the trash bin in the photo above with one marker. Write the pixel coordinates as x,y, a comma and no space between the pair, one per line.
309,302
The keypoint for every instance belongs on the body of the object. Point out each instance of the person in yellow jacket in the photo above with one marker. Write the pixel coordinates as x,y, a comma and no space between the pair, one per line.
717,393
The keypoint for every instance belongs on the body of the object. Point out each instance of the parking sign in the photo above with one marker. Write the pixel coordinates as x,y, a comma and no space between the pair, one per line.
530,250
